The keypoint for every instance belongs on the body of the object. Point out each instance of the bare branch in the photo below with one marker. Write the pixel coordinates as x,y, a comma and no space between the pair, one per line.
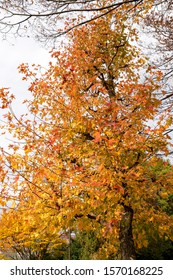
46,18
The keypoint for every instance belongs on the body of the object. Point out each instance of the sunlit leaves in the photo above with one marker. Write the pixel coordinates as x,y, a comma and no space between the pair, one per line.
89,150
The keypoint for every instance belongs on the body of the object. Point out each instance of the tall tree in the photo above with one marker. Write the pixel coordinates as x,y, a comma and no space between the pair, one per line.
88,149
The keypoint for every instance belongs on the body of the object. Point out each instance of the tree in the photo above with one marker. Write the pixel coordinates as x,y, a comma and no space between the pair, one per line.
87,152
159,246
85,246
159,21
49,19
24,234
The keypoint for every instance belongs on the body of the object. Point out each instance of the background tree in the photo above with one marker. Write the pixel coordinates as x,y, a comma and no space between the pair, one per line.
160,19
85,246
159,246
49,19
159,22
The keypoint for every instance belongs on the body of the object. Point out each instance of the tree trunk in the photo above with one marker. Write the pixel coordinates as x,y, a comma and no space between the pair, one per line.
127,247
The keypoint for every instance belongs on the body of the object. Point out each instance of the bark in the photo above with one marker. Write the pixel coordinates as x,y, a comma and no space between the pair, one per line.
127,247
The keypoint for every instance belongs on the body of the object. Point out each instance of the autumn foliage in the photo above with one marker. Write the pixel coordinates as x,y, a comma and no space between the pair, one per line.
87,150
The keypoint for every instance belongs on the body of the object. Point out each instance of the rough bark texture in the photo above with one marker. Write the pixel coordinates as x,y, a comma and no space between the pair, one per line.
127,247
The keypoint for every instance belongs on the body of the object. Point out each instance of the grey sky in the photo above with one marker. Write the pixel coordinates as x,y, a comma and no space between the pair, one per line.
12,55
23,50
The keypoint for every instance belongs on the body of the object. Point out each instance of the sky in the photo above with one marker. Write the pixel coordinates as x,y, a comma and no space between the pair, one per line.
22,50
12,54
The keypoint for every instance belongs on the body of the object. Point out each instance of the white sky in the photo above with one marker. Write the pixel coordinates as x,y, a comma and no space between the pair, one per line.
23,50
12,55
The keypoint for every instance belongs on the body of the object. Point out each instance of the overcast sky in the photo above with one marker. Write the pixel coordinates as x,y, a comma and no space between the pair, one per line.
22,50
12,55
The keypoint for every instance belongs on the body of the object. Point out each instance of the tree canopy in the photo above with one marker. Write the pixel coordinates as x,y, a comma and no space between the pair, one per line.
87,155
48,20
